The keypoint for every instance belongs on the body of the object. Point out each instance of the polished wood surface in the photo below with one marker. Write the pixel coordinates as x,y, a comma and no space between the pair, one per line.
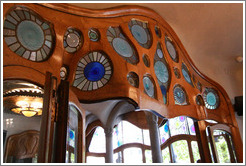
63,16
22,145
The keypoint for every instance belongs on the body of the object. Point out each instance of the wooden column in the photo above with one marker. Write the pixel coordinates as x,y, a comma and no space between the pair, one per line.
46,128
237,142
62,119
202,141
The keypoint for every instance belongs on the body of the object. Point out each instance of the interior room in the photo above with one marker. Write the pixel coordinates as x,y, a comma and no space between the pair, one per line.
126,83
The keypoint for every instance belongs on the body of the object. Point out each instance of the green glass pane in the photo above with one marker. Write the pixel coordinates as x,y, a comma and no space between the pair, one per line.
166,155
181,152
30,35
222,149
195,151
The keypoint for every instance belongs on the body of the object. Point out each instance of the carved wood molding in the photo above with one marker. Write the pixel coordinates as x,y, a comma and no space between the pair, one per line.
22,145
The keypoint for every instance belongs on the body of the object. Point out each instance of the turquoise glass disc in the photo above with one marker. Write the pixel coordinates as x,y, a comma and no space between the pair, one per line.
94,71
186,76
161,71
122,47
30,35
148,86
139,34
211,98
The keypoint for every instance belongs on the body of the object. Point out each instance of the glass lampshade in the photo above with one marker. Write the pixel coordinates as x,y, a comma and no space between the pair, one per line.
28,113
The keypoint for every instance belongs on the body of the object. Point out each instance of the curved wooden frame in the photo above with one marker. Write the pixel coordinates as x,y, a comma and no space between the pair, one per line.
120,16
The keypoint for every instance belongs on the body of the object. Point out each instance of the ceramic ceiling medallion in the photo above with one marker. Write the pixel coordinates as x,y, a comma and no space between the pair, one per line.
94,70
141,32
122,45
162,72
28,35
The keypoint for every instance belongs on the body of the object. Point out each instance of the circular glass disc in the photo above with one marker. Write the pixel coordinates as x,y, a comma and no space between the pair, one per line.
161,71
30,35
139,34
72,40
148,86
211,98
122,47
94,71
171,49
179,95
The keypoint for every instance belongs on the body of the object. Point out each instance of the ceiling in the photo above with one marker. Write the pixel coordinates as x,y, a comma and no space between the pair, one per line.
212,34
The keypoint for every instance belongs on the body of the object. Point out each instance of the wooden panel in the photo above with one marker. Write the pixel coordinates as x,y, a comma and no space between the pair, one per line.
22,145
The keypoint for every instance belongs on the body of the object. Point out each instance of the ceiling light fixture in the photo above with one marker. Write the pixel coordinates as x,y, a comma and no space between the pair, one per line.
28,109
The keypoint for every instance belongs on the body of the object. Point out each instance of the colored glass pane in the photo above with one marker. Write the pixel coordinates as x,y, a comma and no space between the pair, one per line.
94,71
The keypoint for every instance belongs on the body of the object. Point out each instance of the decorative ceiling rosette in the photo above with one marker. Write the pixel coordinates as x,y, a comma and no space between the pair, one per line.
149,86
180,95
72,40
162,72
28,34
94,70
171,49
186,74
211,98
122,45
141,32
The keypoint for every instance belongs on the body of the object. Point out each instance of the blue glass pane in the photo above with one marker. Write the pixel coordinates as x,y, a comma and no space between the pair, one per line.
30,35
122,47
139,34
94,71
166,128
161,71
186,76
211,99
71,134
148,86
163,90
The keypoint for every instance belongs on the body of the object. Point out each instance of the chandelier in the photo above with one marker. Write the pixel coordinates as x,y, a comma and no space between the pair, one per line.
28,109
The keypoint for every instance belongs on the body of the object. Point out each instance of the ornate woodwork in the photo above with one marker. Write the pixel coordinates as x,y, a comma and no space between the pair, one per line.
22,145
108,30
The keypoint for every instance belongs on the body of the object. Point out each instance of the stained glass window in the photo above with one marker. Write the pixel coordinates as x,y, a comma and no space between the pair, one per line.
181,152
148,156
98,143
166,155
133,156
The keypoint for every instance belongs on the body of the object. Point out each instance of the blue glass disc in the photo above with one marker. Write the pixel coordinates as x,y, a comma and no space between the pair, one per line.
186,76
211,98
139,34
161,71
166,128
71,134
148,86
122,47
30,35
94,71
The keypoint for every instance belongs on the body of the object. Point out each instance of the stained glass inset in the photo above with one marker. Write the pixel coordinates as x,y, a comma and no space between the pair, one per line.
171,49
186,74
94,34
121,45
28,35
72,40
149,86
162,71
141,32
180,95
211,98
94,70
133,79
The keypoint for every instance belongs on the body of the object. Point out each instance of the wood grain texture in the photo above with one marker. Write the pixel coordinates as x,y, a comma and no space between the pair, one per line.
22,145
63,16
